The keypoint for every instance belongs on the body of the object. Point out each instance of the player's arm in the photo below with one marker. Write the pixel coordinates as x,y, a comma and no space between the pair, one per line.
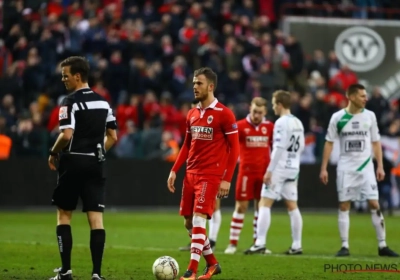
66,117
184,152
182,157
111,131
271,138
377,148
331,136
279,145
230,128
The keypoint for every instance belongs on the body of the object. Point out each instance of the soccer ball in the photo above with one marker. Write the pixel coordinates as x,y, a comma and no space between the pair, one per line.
165,268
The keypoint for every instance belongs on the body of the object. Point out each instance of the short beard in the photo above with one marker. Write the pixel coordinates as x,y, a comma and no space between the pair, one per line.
202,98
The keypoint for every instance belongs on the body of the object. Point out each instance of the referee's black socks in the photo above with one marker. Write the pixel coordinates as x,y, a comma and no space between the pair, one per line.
64,240
97,241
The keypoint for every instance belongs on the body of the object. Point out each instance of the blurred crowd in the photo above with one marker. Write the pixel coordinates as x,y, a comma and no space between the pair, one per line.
142,55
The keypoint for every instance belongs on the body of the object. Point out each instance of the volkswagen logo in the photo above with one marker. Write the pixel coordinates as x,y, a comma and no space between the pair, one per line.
361,48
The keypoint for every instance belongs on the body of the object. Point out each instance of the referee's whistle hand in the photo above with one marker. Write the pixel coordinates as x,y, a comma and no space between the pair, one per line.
52,163
171,181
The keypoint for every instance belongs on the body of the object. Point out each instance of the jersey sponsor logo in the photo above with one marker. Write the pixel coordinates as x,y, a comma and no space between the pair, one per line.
63,113
210,119
355,125
257,141
354,145
202,196
354,133
202,132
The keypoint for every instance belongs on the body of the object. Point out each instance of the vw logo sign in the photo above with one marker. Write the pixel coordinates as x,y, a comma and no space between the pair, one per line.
361,48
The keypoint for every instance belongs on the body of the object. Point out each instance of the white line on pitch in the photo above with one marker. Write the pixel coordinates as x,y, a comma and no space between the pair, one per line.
154,249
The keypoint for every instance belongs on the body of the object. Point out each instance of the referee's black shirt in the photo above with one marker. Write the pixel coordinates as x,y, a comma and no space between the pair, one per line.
89,115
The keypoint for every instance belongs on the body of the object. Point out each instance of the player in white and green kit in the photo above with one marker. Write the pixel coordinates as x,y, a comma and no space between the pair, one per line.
357,131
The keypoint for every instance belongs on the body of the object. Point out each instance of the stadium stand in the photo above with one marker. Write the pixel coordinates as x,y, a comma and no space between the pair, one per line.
142,54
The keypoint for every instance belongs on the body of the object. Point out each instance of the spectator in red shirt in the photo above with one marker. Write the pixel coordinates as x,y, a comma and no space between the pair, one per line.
344,78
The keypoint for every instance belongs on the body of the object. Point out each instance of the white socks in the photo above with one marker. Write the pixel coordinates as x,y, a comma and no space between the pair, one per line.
379,224
344,226
214,225
263,223
296,223
377,221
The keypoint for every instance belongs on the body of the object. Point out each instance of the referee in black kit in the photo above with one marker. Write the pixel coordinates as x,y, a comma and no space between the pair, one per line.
88,130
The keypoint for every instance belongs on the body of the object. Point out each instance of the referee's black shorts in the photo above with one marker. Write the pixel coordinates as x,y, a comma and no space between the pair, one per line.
80,176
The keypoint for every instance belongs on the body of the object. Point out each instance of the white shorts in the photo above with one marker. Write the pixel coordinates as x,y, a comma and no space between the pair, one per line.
360,186
281,187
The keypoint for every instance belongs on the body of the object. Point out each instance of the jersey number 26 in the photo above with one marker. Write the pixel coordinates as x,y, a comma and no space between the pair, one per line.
294,144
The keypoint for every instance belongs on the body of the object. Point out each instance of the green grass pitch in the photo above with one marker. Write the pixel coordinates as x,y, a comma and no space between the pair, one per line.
28,248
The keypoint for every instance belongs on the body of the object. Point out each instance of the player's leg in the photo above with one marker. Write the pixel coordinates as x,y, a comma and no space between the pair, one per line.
370,191
269,194
243,193
65,197
238,215
263,224
255,219
215,224
93,200
236,225
207,249
186,207
186,210
257,196
204,205
348,191
344,226
378,222
289,193
296,225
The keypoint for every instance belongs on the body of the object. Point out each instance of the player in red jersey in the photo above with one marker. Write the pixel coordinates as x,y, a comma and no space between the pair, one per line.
255,136
214,223
211,150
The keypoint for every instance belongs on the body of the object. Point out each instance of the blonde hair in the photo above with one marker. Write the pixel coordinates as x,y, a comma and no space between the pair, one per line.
259,102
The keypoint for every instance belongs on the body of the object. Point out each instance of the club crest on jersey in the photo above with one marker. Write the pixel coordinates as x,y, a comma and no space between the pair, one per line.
210,119
247,130
63,113
264,130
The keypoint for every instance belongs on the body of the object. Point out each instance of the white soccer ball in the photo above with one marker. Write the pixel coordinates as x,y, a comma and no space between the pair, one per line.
165,268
